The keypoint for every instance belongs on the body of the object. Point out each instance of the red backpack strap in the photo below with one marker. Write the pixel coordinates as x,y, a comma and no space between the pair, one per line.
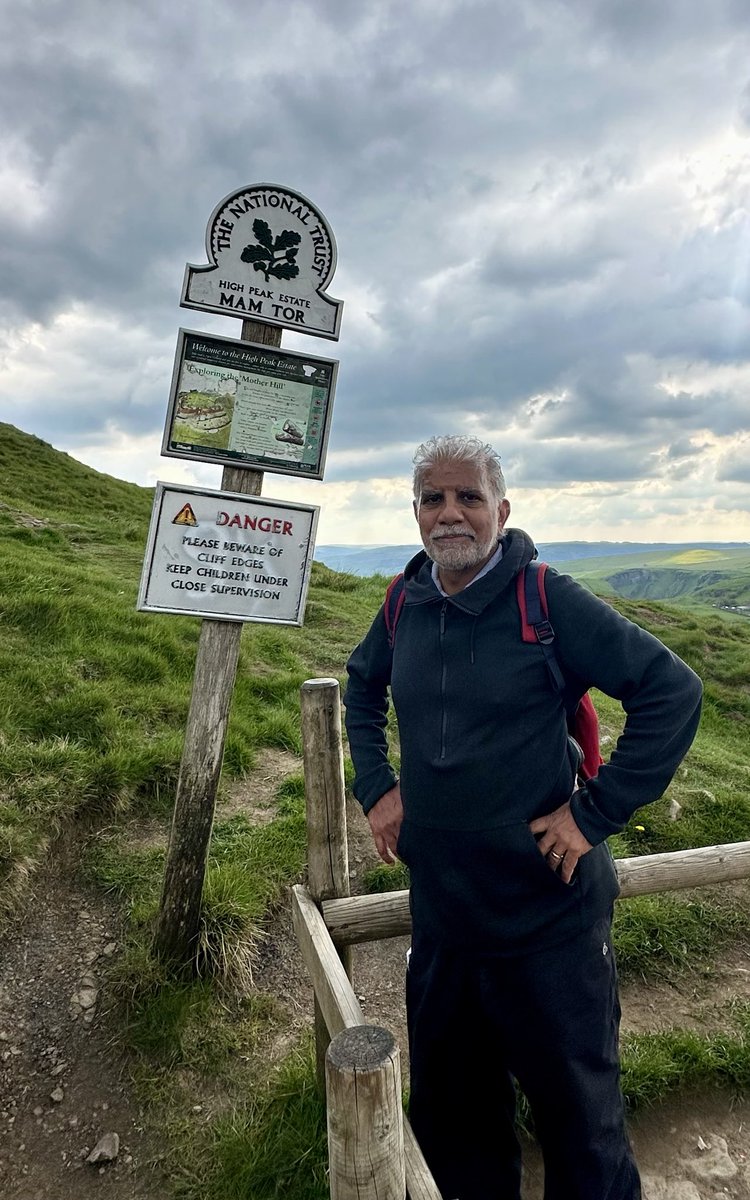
527,633
532,599
394,602
583,722
535,623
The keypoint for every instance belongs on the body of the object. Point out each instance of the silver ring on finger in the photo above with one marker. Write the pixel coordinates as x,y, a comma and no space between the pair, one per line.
557,857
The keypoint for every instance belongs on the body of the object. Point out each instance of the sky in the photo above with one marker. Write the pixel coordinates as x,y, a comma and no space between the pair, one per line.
541,215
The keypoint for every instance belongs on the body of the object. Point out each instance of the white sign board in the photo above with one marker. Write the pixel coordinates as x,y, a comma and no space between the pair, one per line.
227,556
270,255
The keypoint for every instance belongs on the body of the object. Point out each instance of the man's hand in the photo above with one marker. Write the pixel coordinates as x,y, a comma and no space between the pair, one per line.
562,842
385,819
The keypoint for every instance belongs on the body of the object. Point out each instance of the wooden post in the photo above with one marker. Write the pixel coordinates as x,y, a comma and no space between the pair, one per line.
218,652
328,858
365,1116
341,1010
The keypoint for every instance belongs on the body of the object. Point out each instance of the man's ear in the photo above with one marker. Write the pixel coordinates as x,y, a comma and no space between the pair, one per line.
415,506
503,512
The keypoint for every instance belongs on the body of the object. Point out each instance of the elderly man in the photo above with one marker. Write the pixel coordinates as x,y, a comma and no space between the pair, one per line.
511,978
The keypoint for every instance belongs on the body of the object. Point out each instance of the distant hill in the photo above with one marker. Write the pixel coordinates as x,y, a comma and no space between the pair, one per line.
365,560
387,560
715,573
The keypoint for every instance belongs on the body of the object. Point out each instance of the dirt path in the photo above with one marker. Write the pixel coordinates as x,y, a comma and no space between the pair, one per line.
64,1084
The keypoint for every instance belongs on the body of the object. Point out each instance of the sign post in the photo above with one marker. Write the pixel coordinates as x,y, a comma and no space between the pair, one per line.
271,254
216,661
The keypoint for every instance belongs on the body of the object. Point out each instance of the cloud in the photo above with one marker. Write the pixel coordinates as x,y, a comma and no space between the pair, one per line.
541,214
734,465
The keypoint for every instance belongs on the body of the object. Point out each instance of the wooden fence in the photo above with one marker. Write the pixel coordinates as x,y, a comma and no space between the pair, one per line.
373,1154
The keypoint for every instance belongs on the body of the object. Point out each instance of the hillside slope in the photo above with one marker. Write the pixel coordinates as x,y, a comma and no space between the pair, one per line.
94,697
43,484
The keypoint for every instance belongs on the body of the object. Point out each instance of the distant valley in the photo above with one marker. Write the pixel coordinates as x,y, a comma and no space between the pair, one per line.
710,573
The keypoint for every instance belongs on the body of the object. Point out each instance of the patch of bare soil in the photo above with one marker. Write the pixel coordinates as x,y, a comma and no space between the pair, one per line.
64,1082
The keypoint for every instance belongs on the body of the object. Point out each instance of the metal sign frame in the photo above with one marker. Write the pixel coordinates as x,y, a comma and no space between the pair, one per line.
298,429
229,544
270,255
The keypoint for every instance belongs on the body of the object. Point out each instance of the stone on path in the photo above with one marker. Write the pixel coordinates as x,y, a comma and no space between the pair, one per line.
714,1164
106,1149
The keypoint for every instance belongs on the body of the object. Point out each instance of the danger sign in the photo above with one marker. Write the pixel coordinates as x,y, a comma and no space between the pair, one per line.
228,556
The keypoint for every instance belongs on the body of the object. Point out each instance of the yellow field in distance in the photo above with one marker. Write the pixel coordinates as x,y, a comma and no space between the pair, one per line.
696,556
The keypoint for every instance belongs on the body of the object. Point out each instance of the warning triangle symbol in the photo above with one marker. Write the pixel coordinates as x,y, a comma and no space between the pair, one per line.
185,516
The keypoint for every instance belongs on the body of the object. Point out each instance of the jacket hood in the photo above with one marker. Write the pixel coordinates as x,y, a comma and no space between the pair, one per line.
518,550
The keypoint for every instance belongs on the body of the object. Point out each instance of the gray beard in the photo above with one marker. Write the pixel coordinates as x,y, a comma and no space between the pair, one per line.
459,556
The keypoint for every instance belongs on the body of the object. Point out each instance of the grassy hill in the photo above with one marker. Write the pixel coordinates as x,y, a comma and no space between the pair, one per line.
94,698
95,694
699,575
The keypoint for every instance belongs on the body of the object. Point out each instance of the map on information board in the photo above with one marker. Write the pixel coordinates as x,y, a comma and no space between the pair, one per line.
249,405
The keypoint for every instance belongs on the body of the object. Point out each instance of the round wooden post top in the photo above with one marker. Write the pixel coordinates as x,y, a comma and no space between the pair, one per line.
311,685
363,1047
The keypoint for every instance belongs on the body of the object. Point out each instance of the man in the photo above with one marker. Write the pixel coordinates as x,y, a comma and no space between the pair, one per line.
511,975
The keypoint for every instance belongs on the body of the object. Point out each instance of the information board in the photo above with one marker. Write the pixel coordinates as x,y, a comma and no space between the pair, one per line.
227,556
249,405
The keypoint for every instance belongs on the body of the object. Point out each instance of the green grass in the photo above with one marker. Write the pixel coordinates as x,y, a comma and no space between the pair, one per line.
669,932
656,1065
248,868
273,1145
94,700
385,877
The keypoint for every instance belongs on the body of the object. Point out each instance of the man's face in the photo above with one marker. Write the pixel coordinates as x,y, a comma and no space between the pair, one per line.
459,518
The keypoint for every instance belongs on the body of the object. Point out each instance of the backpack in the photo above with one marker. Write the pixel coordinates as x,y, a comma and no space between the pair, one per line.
582,720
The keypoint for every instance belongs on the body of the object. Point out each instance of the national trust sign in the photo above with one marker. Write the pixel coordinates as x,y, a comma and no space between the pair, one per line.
271,254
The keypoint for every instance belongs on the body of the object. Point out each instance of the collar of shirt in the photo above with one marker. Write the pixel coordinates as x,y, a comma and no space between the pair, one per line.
492,562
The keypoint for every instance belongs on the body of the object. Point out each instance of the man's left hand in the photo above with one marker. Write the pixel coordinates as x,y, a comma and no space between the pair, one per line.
561,841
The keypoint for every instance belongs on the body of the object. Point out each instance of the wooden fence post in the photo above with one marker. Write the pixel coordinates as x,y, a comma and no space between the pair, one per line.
325,800
365,1116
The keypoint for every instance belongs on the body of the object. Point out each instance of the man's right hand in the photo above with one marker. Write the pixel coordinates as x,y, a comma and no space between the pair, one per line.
385,819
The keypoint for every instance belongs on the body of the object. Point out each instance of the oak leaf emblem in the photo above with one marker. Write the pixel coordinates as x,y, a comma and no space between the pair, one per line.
273,256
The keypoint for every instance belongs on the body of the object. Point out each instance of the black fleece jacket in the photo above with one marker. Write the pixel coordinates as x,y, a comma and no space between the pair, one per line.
484,748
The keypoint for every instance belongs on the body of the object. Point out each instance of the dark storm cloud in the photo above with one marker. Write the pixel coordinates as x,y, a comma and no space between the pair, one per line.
550,465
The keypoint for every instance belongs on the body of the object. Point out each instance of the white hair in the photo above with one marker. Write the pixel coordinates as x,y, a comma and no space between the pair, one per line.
459,448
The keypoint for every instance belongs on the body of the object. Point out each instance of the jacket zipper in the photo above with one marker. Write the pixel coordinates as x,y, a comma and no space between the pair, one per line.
443,674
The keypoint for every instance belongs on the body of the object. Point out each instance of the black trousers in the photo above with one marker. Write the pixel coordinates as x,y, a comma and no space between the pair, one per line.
548,1020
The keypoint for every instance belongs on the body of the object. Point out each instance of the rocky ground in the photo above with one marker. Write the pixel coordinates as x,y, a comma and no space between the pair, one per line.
71,1127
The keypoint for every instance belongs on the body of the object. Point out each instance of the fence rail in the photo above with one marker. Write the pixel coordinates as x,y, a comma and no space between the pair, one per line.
386,914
